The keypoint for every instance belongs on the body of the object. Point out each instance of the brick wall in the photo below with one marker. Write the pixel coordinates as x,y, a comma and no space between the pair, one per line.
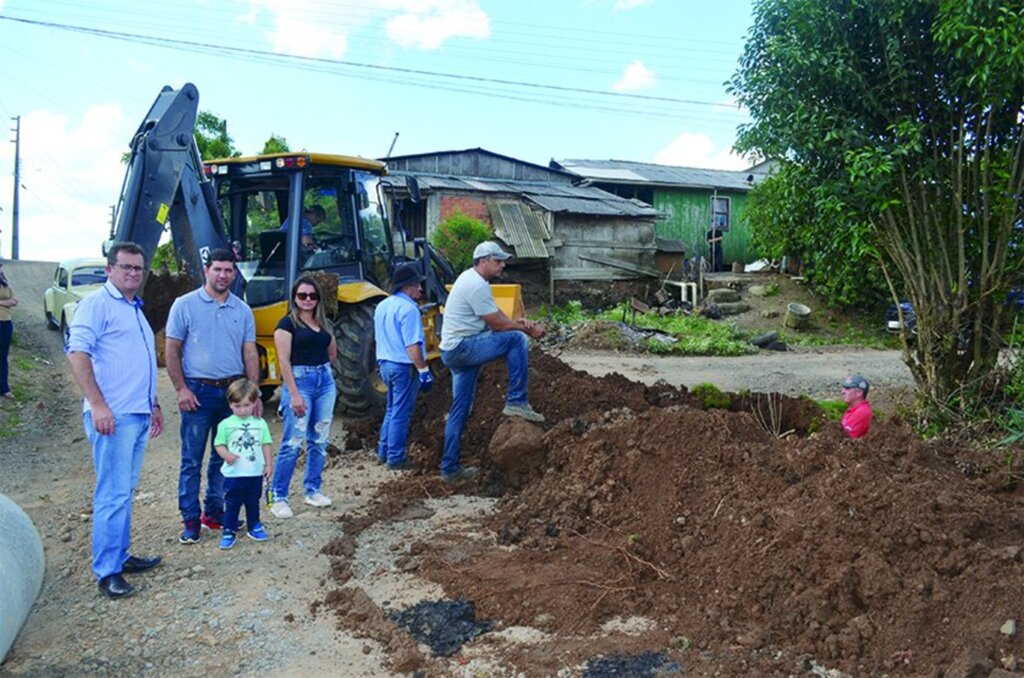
469,205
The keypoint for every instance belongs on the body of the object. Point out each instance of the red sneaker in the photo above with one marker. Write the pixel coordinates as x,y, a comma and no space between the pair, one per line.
209,522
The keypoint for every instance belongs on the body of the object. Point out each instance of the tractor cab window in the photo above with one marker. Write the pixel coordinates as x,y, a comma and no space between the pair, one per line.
377,246
335,242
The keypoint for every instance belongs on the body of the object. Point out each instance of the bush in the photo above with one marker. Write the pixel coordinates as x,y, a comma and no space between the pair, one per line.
457,236
711,396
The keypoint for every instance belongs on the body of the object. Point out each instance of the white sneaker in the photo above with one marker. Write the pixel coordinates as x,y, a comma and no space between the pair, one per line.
524,411
317,499
281,509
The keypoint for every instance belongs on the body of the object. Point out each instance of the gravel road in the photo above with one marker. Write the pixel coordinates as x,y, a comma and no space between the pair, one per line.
815,372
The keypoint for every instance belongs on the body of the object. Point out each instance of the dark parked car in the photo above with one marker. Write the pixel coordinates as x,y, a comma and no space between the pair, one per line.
892,318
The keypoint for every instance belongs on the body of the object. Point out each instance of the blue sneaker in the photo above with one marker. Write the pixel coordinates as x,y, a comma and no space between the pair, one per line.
190,535
227,540
257,532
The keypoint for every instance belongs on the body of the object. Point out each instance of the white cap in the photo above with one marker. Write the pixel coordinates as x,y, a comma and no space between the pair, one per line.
489,248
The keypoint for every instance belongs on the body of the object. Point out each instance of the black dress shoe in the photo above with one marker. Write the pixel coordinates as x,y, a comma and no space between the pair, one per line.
135,564
114,586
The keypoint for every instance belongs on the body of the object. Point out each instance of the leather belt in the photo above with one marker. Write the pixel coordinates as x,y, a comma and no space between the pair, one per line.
219,383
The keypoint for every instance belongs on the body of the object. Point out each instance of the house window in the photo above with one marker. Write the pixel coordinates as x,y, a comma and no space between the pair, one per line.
720,212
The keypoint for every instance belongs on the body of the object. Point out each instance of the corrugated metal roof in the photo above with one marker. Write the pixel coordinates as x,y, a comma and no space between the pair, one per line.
625,171
550,196
520,228
573,205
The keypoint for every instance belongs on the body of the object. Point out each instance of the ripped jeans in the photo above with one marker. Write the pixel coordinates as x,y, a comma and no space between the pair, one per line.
316,386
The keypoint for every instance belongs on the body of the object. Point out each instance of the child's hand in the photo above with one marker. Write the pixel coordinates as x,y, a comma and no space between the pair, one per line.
268,473
231,458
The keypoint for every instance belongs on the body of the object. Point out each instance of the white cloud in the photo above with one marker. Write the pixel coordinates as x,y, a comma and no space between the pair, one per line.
296,30
698,150
71,173
636,77
310,28
622,5
427,24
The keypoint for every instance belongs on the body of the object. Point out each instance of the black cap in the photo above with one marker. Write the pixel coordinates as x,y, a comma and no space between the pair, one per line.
406,274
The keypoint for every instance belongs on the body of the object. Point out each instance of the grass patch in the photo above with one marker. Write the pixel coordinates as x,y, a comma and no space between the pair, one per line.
567,314
9,425
711,396
696,335
832,409
846,336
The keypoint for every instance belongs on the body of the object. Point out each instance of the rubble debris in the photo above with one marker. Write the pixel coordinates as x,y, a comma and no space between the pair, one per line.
444,625
647,664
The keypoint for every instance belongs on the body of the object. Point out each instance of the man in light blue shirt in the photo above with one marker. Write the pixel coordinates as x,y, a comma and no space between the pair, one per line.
311,216
211,342
113,359
398,329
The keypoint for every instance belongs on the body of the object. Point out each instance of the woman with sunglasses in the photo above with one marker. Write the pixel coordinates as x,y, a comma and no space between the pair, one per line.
305,350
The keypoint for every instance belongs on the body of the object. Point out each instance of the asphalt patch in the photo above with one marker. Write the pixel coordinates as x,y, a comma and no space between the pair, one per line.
444,625
644,665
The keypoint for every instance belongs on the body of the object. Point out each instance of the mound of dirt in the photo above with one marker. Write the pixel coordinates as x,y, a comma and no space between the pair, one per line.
757,553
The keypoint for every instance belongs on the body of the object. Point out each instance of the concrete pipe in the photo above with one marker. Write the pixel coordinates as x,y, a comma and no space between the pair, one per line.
21,570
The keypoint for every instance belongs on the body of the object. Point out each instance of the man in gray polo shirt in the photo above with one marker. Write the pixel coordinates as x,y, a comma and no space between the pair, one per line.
211,341
476,332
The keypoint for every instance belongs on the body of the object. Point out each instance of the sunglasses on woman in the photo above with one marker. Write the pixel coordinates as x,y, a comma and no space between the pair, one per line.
307,296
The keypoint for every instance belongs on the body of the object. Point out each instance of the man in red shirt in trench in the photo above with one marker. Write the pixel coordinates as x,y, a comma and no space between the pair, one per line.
857,418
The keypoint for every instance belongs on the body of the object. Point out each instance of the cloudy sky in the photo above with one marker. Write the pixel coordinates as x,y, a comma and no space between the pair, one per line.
634,80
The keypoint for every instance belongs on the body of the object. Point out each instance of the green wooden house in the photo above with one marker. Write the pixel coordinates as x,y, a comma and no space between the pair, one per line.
688,200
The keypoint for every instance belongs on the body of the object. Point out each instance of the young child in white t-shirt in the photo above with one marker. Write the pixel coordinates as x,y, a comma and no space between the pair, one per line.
243,441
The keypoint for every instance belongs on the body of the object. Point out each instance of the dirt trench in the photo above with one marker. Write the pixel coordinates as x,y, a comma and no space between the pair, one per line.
737,550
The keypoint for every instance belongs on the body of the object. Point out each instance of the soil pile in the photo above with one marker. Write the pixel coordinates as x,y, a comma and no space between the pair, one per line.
750,552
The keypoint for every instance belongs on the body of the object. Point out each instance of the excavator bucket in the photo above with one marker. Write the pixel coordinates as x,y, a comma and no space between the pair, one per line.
510,300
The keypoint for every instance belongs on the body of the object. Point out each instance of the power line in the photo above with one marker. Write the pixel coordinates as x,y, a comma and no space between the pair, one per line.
324,15
136,37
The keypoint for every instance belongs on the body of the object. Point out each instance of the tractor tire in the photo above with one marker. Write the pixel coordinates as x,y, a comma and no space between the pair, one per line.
361,391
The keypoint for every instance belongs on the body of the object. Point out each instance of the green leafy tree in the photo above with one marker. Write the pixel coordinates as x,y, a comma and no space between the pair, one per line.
275,144
790,214
457,236
212,137
902,118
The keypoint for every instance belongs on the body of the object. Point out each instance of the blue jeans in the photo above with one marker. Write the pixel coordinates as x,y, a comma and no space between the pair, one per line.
198,430
316,386
465,361
402,390
238,492
6,333
117,460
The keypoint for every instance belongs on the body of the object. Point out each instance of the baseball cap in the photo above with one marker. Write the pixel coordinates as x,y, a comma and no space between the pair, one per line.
489,248
857,381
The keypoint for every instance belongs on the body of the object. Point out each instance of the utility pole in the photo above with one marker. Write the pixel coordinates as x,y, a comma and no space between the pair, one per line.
17,182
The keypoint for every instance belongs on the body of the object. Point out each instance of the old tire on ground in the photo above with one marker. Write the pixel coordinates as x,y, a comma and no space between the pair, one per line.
360,389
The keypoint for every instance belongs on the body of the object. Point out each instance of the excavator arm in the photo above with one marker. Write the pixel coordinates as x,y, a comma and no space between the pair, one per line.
165,182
